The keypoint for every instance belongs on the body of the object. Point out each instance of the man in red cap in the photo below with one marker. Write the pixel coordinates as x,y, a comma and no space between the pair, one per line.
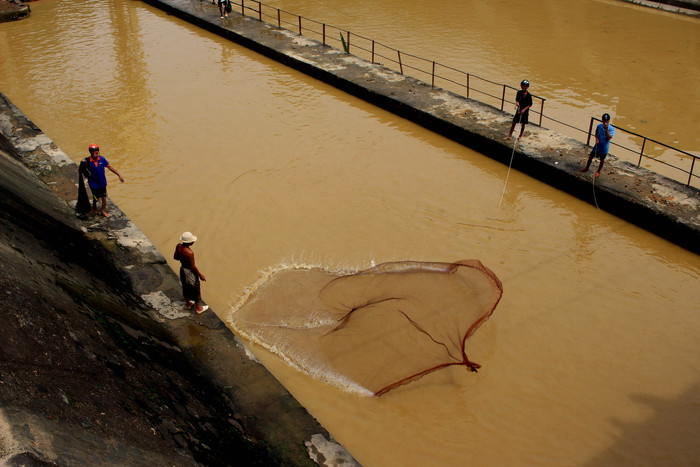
97,180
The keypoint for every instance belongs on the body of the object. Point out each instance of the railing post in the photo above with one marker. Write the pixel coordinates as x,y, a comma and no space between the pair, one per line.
348,42
243,7
690,175
400,65
467,85
503,98
641,153
260,12
433,81
590,128
300,26
279,19
372,50
324,34
541,110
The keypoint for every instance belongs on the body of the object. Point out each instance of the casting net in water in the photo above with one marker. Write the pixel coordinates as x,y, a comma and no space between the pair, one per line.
373,330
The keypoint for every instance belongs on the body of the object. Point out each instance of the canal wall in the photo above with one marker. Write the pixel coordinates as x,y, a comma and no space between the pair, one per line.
100,363
683,7
13,10
649,200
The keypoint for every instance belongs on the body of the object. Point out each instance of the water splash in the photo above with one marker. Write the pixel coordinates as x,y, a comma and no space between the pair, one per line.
372,330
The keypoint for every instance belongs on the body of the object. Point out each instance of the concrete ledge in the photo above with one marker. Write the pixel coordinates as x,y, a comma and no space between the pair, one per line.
683,7
660,205
265,410
13,10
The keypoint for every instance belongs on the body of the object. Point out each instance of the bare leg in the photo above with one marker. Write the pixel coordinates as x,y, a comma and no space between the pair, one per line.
522,130
104,207
588,164
600,167
510,133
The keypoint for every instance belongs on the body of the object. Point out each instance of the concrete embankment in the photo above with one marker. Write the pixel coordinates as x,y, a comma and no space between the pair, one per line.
683,7
13,10
665,207
100,364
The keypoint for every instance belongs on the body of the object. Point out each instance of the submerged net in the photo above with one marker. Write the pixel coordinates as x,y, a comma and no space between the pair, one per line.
373,330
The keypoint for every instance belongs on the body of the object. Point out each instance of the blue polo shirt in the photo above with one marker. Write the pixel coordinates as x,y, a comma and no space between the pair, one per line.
97,178
603,142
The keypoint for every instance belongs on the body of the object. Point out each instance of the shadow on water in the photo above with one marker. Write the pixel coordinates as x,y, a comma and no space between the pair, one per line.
669,437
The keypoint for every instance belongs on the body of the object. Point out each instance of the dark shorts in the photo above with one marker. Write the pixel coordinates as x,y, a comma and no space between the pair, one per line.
600,156
222,2
99,192
522,118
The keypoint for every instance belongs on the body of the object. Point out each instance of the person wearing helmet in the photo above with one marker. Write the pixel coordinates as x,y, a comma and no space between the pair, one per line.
95,172
603,134
523,102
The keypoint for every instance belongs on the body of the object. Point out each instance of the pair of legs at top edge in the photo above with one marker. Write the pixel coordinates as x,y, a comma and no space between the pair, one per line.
222,8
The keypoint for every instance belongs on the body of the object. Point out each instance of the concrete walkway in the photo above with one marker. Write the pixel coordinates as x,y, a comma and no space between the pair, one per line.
665,207
683,7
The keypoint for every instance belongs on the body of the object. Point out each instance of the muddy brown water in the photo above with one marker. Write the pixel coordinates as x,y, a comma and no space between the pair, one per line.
591,357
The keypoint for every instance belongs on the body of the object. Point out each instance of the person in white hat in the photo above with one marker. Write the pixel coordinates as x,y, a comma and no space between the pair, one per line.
189,274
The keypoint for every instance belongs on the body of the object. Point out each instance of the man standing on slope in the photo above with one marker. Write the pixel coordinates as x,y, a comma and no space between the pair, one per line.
96,165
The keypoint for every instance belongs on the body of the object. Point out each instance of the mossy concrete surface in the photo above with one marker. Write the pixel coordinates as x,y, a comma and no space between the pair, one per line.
100,363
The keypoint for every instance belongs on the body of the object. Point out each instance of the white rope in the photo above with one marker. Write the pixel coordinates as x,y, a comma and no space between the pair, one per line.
594,197
510,164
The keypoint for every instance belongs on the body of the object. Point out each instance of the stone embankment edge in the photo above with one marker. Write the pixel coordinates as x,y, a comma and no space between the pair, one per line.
682,7
267,410
12,11
651,201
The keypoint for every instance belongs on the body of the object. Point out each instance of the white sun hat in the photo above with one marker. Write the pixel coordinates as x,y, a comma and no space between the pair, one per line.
187,237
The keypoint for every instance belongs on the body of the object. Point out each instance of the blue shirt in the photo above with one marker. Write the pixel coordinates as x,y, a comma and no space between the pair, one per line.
603,144
97,178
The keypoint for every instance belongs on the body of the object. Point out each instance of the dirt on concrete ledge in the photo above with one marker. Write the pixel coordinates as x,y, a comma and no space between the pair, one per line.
11,10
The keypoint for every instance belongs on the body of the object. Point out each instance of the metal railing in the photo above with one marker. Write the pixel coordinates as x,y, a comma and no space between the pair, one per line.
429,71
639,153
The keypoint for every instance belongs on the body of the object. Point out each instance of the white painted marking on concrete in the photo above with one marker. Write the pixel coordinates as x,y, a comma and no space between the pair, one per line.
30,144
164,306
59,157
132,237
328,453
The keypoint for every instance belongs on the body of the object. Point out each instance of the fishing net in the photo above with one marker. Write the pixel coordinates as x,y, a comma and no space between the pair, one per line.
373,330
